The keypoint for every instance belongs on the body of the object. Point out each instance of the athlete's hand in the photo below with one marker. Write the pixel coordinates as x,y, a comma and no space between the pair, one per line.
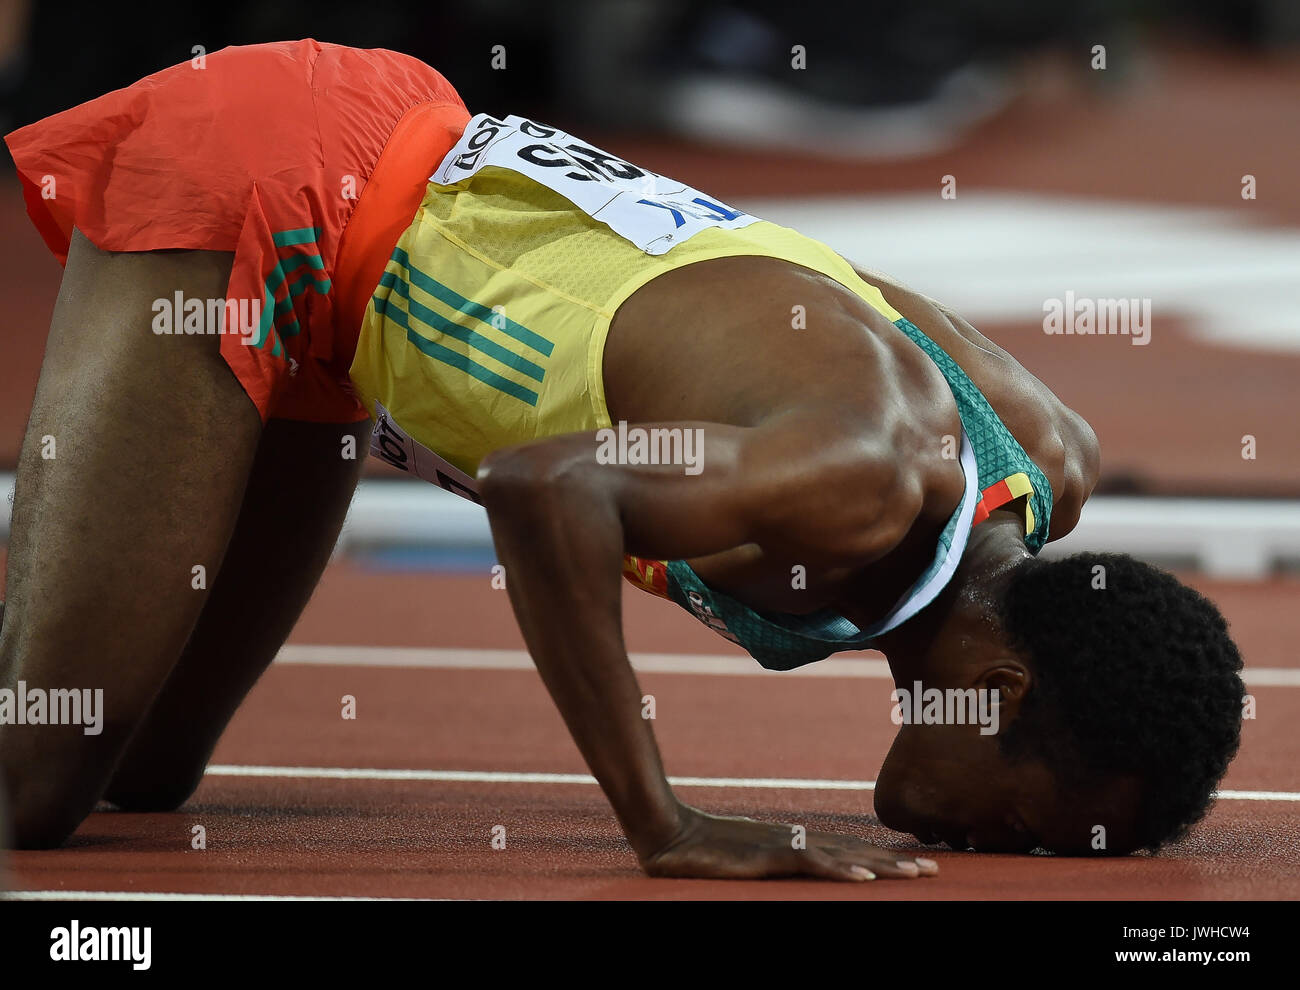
742,848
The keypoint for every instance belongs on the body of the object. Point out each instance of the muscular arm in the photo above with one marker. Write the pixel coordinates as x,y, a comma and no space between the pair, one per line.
561,523
1059,440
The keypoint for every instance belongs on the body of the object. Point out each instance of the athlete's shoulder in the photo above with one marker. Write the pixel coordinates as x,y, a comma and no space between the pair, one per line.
1058,439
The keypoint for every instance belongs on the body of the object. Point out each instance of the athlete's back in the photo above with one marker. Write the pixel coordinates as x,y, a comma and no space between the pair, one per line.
546,287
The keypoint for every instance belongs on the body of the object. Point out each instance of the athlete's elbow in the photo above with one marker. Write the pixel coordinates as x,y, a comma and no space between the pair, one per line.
885,512
510,478
533,478
900,505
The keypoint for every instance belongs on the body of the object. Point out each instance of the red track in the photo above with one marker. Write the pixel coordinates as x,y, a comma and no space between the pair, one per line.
433,838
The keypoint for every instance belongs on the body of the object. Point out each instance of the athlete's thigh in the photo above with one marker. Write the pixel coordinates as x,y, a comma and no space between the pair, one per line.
301,485
131,475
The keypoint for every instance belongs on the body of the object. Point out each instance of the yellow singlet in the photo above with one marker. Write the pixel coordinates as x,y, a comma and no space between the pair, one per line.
488,327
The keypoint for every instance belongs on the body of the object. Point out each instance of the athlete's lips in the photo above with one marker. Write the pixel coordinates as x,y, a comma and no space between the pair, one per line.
952,838
935,839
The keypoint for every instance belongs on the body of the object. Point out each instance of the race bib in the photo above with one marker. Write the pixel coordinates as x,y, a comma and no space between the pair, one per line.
390,443
652,211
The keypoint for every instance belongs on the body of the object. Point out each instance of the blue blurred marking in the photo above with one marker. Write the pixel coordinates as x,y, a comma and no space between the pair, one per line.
441,560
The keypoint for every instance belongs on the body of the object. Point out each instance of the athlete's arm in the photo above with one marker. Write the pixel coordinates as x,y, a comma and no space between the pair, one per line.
561,523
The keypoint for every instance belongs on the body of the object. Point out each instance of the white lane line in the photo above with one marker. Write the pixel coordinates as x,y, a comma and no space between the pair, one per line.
134,895
1257,796
512,777
657,663
1271,677
474,659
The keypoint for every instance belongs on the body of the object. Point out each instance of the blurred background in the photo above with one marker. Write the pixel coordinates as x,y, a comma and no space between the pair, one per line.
994,154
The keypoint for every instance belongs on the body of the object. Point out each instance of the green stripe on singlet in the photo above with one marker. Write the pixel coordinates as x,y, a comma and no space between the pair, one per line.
450,297
453,358
434,321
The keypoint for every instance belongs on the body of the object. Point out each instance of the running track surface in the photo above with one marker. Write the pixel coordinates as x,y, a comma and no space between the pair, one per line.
304,836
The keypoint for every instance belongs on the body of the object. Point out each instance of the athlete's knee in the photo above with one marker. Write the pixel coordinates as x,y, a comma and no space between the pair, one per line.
160,791
55,754
43,816
163,795
29,831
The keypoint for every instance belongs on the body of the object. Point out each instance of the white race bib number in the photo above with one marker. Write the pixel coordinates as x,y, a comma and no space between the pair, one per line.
390,443
652,211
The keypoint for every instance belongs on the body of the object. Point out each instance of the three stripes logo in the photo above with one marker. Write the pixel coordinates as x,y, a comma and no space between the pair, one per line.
514,349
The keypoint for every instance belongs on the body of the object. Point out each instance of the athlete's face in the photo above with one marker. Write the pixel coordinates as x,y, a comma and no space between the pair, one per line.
946,778
949,784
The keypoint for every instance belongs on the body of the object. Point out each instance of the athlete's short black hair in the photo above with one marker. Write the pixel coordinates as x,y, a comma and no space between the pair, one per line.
1134,673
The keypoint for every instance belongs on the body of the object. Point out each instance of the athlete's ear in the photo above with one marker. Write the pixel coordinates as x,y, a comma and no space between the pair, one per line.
1010,679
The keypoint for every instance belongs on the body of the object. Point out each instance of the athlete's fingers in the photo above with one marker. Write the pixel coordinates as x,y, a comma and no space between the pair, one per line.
883,861
928,867
814,862
894,868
